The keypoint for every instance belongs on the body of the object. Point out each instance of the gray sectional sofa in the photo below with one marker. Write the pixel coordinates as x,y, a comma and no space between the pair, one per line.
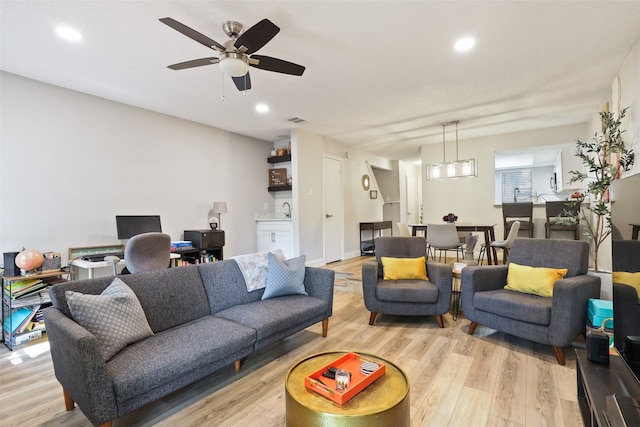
202,317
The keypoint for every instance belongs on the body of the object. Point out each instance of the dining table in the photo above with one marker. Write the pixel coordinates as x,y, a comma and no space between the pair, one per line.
487,230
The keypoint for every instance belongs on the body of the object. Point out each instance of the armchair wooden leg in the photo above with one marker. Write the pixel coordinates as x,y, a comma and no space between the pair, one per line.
372,318
69,403
238,364
107,424
440,320
472,328
559,353
325,327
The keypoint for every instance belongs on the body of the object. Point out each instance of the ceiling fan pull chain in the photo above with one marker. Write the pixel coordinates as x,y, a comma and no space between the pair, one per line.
222,74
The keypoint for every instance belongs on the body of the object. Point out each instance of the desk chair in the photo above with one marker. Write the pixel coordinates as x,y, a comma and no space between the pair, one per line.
443,237
556,210
522,212
505,245
147,252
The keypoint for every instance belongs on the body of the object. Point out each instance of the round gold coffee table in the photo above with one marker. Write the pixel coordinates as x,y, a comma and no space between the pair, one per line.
383,403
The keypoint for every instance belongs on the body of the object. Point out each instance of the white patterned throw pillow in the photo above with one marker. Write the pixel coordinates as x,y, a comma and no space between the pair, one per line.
286,277
115,317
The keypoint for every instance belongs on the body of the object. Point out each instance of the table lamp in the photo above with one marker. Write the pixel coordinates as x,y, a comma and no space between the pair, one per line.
218,208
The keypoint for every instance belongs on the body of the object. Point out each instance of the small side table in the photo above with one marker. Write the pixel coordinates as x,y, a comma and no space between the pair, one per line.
383,403
456,303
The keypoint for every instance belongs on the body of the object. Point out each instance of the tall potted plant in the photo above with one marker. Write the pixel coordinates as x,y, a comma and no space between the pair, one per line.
605,157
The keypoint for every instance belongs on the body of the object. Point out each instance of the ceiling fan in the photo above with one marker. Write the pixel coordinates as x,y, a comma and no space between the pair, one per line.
237,54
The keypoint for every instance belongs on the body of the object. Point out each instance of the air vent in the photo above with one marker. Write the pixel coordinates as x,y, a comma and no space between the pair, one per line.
297,120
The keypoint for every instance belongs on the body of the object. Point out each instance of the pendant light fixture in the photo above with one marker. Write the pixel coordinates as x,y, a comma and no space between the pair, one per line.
451,170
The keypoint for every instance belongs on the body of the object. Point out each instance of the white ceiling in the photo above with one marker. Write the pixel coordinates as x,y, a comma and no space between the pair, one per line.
381,75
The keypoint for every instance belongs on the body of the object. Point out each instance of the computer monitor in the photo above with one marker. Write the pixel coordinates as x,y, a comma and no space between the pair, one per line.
130,225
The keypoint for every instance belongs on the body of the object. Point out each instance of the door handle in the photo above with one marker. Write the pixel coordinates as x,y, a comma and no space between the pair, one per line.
329,216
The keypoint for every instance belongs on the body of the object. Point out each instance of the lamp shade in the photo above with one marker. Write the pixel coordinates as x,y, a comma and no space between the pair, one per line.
29,259
219,207
234,65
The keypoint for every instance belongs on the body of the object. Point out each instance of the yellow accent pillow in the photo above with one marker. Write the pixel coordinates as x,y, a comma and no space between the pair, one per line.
533,280
404,268
631,279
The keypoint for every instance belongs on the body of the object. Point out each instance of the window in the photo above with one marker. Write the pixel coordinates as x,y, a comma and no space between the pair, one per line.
515,185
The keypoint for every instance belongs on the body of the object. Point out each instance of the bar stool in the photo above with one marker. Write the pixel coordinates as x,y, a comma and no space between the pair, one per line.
522,212
557,210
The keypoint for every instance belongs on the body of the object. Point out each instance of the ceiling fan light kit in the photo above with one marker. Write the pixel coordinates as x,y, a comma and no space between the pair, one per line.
234,64
235,55
467,168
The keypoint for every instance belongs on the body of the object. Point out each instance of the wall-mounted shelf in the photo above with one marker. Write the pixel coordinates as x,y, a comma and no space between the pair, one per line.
280,188
279,159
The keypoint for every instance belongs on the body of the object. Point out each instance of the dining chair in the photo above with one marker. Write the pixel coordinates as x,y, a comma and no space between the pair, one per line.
522,211
444,237
403,229
505,245
556,210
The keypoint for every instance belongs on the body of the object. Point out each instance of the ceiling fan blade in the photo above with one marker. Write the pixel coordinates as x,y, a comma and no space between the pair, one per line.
193,34
242,83
278,65
257,36
194,63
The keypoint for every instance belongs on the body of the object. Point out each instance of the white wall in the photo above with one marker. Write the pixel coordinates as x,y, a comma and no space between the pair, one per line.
70,162
308,151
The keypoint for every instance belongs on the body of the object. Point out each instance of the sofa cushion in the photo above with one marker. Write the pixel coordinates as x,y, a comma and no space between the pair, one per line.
404,268
286,277
115,317
273,315
407,291
175,353
627,278
515,305
533,280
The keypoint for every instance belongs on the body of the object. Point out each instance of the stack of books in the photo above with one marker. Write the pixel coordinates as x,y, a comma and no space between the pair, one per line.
181,244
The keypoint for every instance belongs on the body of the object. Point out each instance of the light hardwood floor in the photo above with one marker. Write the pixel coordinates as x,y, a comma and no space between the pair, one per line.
489,379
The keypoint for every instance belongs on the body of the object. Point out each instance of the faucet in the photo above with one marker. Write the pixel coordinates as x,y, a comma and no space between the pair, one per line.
516,191
288,212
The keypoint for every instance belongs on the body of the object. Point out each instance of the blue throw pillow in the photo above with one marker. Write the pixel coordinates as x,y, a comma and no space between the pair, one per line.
286,277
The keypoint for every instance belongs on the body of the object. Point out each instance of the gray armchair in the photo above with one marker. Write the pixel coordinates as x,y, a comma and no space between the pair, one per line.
626,309
556,320
406,297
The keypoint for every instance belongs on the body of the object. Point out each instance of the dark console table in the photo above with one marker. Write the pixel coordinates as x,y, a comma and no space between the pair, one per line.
368,246
597,381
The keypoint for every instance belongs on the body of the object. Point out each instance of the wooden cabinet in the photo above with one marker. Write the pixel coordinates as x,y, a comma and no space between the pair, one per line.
275,235
19,305
597,383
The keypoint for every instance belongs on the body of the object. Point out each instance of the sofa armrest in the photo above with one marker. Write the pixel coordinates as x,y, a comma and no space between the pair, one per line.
569,307
441,275
369,282
318,282
483,278
79,367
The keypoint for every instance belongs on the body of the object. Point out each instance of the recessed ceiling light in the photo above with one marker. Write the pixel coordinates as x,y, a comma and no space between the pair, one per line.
68,33
464,44
262,108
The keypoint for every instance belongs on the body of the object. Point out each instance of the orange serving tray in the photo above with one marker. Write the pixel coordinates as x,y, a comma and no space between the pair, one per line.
349,362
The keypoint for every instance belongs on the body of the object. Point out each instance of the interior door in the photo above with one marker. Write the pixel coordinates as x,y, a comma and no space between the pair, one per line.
412,199
332,207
